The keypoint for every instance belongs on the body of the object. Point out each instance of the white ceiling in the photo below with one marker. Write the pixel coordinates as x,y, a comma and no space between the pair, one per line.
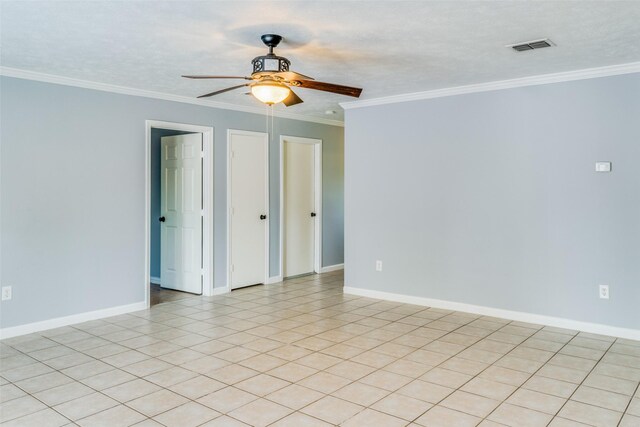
387,48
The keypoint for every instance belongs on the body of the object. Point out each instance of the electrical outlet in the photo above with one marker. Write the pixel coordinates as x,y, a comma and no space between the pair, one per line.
378,265
604,291
6,293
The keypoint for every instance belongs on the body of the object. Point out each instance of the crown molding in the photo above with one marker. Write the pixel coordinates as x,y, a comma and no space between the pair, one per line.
588,73
105,87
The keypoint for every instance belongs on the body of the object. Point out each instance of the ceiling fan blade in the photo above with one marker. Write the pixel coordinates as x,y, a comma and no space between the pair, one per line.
223,90
292,99
292,75
328,87
217,77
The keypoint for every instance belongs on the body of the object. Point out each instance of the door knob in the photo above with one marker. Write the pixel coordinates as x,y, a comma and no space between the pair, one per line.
162,219
263,217
313,214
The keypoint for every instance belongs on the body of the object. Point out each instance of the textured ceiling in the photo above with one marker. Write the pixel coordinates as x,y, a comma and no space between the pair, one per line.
388,48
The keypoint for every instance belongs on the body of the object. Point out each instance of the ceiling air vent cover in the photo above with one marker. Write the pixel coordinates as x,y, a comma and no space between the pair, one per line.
536,44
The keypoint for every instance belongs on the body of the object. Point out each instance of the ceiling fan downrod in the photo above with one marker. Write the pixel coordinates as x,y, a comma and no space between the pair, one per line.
271,40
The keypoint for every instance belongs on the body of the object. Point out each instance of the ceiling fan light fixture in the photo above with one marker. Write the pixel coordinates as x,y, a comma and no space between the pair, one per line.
271,79
270,92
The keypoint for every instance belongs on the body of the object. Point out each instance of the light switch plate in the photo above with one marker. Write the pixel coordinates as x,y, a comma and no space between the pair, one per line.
603,166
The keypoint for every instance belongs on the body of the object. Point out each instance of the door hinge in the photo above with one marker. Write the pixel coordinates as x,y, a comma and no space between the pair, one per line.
232,154
233,267
202,154
202,212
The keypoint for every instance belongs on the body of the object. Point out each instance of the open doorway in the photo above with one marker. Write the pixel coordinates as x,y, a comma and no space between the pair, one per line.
300,206
179,176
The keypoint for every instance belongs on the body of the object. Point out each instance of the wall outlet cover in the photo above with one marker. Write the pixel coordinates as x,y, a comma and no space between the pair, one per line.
6,293
378,265
604,291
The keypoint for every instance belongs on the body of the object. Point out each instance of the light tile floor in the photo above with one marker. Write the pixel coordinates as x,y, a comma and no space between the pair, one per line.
159,295
302,353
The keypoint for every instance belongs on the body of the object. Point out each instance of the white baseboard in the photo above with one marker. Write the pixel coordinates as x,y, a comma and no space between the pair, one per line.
58,322
273,279
155,280
221,291
540,319
329,268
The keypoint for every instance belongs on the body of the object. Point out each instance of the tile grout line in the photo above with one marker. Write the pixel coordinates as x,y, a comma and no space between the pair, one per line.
330,306
431,320
628,403
471,321
542,328
530,376
492,364
370,349
583,380
73,380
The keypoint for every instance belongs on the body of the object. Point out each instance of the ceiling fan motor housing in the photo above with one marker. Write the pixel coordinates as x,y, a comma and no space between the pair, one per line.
268,64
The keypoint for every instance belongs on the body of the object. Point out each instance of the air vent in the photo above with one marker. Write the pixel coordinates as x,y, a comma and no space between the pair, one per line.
536,44
522,47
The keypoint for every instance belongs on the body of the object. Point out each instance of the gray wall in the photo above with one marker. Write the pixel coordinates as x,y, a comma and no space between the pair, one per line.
72,188
154,252
491,199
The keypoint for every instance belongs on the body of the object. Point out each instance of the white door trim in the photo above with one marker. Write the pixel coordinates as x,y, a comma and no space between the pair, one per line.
207,202
317,179
266,267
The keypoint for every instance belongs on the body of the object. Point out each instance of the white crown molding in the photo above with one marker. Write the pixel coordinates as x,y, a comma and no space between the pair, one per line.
539,319
104,87
567,76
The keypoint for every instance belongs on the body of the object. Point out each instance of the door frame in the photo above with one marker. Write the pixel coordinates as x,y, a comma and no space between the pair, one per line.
207,202
264,135
317,179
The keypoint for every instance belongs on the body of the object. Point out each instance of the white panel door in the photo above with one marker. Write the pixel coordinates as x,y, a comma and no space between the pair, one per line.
249,207
181,210
299,208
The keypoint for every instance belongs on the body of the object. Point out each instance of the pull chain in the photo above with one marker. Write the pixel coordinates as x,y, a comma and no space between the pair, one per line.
269,129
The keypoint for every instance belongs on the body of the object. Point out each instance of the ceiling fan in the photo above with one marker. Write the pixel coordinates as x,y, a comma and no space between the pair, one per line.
271,79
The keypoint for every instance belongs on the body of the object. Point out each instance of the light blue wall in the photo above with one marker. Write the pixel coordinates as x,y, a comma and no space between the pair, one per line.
154,253
72,189
333,197
492,199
